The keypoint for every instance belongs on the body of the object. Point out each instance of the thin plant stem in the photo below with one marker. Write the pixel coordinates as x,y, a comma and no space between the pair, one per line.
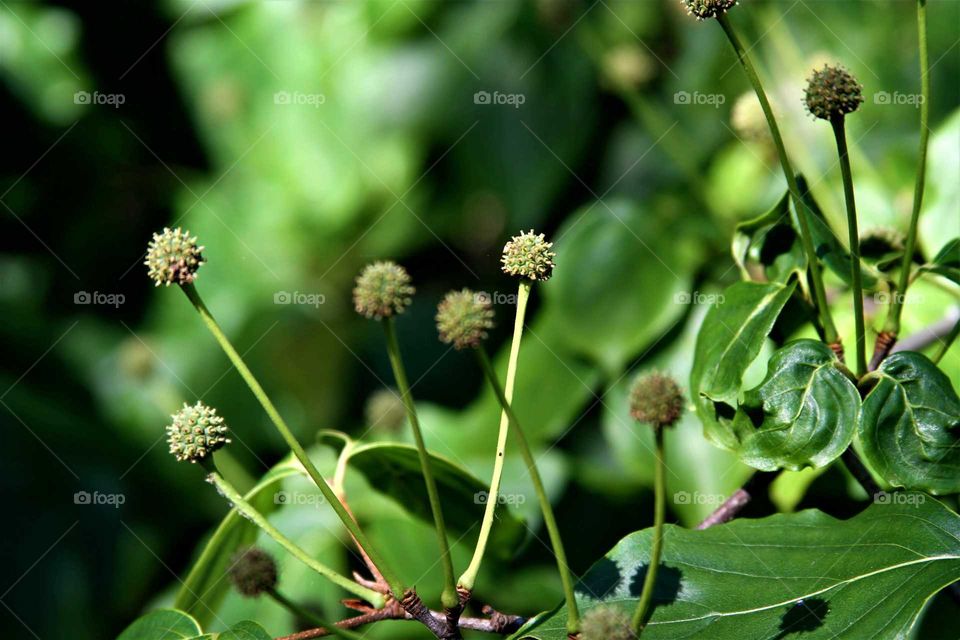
395,586
947,341
311,617
228,491
469,576
449,596
803,211
549,520
839,132
642,612
892,324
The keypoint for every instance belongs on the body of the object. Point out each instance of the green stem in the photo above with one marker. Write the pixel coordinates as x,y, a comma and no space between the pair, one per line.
895,310
395,586
573,613
642,611
803,211
839,133
247,510
449,596
469,576
309,616
947,341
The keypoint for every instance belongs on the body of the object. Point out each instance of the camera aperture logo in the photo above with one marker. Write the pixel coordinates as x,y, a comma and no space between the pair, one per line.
95,97
96,498
107,299
512,99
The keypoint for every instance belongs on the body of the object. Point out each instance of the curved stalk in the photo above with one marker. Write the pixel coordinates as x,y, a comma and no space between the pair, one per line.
549,520
839,133
895,310
248,511
290,439
449,596
469,576
803,212
642,612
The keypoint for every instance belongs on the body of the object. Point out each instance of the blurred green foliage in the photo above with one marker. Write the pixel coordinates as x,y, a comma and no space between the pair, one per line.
300,140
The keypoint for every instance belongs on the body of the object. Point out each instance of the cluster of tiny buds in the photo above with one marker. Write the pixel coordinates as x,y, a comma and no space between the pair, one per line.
196,432
606,622
463,318
253,571
703,9
173,257
656,399
528,255
383,290
832,92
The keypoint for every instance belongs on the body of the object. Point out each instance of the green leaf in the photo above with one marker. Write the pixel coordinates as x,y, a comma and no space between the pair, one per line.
827,246
245,630
769,245
394,469
731,338
804,575
163,624
804,414
204,588
910,425
947,261
608,249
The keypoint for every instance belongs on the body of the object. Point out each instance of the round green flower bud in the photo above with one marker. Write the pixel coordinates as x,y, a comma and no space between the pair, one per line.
656,399
703,9
463,318
173,257
606,622
196,432
253,571
529,256
832,93
383,290
385,410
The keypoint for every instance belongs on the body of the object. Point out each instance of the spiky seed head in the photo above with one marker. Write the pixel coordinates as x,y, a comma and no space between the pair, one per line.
703,9
832,92
528,255
606,622
383,290
253,571
463,318
196,432
384,410
878,240
173,257
656,399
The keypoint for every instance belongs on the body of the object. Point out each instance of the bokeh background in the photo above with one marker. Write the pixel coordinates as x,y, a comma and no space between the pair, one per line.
300,140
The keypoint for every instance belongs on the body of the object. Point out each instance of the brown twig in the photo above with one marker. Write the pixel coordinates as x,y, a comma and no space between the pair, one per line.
379,582
881,348
728,510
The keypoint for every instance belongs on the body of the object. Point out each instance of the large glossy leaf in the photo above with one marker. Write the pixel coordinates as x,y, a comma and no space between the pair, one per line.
910,425
767,248
731,337
947,261
204,587
164,624
621,282
804,575
394,469
245,630
804,414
